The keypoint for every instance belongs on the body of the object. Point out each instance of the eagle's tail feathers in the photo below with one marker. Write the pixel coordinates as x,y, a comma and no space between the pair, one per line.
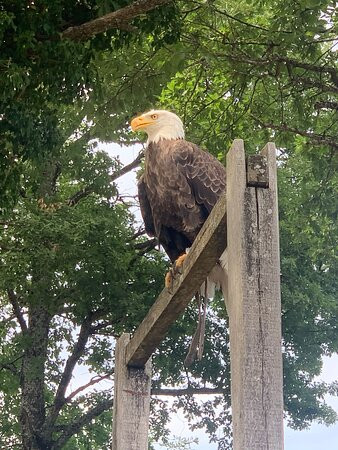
203,315
217,279
190,358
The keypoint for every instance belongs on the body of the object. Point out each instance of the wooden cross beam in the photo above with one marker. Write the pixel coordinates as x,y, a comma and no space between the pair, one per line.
249,214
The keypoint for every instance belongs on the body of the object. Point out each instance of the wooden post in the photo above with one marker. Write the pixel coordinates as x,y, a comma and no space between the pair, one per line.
131,401
254,300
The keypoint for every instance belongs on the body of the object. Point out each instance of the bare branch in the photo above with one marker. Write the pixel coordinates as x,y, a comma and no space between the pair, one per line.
188,391
74,199
315,138
128,167
116,19
92,381
17,310
78,350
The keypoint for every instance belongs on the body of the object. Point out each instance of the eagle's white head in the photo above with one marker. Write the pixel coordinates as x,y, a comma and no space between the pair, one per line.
159,124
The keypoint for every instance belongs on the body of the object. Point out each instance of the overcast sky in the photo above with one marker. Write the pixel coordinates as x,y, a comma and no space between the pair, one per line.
318,436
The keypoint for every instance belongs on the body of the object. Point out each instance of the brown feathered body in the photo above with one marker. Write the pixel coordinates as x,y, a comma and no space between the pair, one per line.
180,186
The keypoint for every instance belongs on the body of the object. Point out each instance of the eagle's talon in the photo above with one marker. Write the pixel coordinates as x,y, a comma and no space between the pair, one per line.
169,279
178,265
176,269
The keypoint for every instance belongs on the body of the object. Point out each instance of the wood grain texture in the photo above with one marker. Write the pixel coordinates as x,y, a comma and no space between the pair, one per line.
131,401
257,171
254,306
203,255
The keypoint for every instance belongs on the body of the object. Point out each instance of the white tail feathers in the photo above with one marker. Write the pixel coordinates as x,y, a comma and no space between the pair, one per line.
217,279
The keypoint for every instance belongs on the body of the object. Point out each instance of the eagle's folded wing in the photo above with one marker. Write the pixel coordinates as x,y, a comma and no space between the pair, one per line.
204,173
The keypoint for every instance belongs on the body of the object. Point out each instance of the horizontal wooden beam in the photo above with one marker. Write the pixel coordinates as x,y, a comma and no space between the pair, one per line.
203,255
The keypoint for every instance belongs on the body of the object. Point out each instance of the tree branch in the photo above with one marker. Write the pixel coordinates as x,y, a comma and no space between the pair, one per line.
326,105
309,67
316,138
79,195
139,233
78,350
71,429
11,365
229,16
128,167
92,381
74,199
308,82
17,310
116,19
188,391
146,245
83,420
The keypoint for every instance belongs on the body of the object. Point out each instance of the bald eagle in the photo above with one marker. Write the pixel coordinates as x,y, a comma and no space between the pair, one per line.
180,186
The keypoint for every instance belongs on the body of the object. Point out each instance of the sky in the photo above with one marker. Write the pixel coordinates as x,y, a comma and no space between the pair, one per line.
318,436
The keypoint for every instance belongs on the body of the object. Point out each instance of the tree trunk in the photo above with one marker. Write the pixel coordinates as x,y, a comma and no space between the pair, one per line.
33,414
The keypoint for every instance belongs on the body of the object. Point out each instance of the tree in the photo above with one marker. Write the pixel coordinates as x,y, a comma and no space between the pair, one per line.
66,208
75,269
48,60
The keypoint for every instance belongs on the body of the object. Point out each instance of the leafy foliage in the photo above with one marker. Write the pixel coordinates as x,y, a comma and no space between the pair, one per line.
43,74
75,270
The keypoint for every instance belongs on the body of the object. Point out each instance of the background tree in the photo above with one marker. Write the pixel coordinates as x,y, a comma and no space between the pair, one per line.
76,270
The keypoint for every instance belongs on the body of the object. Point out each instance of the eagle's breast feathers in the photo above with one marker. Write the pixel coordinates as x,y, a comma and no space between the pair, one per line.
180,186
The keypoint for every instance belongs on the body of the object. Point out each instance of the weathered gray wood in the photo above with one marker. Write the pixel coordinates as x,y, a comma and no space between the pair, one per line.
203,255
131,401
254,306
257,171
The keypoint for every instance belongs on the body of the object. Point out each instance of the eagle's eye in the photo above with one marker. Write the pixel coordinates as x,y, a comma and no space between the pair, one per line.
154,116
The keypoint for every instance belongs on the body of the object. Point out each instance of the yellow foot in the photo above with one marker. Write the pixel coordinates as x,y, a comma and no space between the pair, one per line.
179,261
169,278
177,268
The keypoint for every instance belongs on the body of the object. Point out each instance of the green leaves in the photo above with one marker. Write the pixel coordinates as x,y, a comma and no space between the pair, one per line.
253,70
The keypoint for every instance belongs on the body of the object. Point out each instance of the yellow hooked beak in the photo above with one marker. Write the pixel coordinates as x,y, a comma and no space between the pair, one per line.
140,122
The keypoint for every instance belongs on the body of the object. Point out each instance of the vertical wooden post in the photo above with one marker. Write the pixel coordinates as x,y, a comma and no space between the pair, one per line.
131,401
254,300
